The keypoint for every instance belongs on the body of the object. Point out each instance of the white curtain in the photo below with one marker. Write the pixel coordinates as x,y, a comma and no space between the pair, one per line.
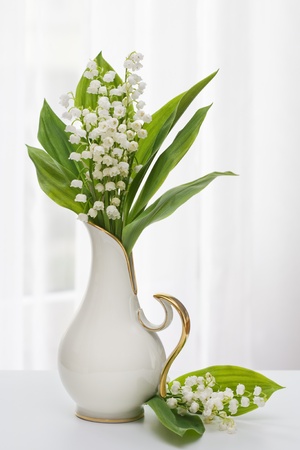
231,255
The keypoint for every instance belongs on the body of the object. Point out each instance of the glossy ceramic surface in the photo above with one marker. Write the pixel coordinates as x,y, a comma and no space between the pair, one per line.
109,363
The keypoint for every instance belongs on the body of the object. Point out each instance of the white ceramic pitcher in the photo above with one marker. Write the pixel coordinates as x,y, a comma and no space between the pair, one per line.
111,360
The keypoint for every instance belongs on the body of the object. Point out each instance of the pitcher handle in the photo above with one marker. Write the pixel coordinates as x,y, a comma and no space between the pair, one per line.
167,301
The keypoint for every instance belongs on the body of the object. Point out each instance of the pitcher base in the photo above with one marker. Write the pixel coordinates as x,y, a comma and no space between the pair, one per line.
101,420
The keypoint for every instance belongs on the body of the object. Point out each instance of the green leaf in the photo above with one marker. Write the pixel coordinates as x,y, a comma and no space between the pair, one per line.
162,120
168,160
54,139
54,179
231,376
164,206
82,98
178,105
189,95
134,186
158,129
173,421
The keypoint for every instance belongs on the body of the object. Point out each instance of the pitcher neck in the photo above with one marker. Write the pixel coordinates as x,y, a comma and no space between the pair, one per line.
109,258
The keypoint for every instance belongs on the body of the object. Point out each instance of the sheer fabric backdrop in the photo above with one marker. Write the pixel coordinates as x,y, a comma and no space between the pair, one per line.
232,253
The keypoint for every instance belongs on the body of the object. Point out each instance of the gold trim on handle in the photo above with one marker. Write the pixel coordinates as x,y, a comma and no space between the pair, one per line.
186,326
166,322
167,301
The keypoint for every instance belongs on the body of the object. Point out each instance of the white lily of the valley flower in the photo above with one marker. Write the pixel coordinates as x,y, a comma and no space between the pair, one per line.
67,115
117,152
142,86
110,186
136,94
104,103
70,129
115,91
98,150
240,389
74,139
233,406
92,213
128,64
94,134
130,134
109,76
131,80
116,201
106,172
64,100
113,212
228,393
188,396
124,168
108,142
97,174
133,146
133,62
76,184
75,156
245,402
136,125
86,154
119,111
94,87
142,134
102,90
91,64
113,122
210,379
91,118
81,198
172,403
257,390
194,407
114,171
83,217
81,132
136,57
99,187
175,387
147,118
88,74
122,128
259,401
107,160
75,112
218,403
98,205
140,104
191,381
121,185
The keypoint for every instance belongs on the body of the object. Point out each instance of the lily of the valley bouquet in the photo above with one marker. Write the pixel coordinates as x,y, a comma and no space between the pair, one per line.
104,163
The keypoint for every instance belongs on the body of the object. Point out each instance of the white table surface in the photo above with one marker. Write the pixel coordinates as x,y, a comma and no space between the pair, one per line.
37,414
